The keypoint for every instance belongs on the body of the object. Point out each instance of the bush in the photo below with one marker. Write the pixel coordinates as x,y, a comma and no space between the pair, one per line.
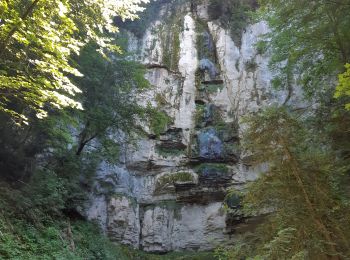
158,120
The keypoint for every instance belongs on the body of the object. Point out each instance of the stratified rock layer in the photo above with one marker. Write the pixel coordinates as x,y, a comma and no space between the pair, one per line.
167,192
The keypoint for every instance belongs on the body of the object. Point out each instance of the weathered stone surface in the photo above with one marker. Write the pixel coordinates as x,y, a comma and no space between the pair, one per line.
123,224
97,210
188,227
211,148
207,65
188,64
140,201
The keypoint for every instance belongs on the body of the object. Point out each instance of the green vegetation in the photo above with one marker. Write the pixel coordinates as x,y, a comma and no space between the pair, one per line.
172,178
161,99
158,120
233,15
33,228
212,167
232,149
54,60
303,193
218,121
170,151
199,76
207,114
251,66
169,31
199,115
61,240
312,49
222,126
211,88
203,39
343,88
37,39
109,89
302,189
233,200
261,47
171,45
171,256
170,35
68,101
33,224
42,164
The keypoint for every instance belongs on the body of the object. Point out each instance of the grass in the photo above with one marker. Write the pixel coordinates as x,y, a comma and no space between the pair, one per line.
172,178
22,240
59,238
159,120
170,151
171,55
199,115
218,167
19,240
161,99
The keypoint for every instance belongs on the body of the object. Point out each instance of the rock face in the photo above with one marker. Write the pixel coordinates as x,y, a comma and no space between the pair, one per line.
167,192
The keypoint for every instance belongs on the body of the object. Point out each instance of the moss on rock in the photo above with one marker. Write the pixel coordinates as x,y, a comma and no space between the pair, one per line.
212,167
168,151
170,179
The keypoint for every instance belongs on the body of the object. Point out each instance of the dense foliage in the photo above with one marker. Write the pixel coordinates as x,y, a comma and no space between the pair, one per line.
56,58
37,39
31,230
109,97
302,190
303,196
310,42
343,88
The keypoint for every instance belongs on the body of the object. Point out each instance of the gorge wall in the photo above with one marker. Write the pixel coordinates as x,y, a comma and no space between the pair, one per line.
168,191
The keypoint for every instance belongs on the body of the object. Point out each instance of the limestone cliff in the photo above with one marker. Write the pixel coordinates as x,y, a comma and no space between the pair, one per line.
167,192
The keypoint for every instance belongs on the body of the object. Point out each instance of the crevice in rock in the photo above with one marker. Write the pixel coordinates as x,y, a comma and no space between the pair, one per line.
161,66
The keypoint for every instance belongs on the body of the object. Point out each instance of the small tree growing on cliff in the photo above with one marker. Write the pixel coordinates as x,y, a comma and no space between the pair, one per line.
109,89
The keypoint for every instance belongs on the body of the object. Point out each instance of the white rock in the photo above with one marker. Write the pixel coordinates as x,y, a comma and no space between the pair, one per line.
123,222
138,216
188,64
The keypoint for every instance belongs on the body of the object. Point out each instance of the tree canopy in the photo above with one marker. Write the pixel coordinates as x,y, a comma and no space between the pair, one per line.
309,41
301,189
37,39
343,88
302,197
110,88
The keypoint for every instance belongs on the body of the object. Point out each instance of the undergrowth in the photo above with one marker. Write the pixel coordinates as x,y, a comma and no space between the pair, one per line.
32,226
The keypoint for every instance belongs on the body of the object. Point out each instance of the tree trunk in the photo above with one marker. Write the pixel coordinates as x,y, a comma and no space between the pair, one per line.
322,228
85,139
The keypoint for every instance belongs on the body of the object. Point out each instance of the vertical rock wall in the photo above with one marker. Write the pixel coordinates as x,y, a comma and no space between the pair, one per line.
167,192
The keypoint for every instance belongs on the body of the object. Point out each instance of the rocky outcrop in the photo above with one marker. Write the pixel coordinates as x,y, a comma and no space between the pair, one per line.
167,192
